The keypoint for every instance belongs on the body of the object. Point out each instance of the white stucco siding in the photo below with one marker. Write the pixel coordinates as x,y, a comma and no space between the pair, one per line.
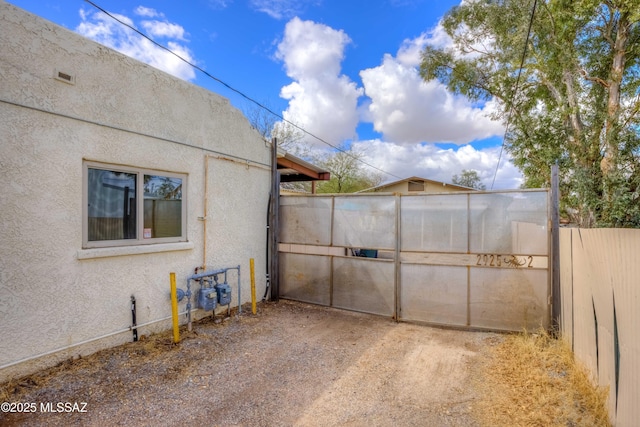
55,294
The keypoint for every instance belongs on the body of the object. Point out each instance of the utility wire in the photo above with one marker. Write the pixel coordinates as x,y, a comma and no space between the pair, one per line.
236,90
515,90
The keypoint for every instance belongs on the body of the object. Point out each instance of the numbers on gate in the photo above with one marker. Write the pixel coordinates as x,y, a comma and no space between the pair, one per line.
509,261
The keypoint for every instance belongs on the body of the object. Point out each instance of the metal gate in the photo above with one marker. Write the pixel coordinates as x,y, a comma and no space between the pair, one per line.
473,260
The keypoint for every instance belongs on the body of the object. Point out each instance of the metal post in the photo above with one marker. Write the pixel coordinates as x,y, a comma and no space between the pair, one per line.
397,285
252,273
239,292
133,318
555,250
174,308
273,226
468,266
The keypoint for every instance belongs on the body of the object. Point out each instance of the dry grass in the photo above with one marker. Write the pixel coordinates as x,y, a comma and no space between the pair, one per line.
525,380
534,380
130,354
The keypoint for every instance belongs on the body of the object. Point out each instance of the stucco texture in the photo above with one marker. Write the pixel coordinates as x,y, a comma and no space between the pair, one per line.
55,294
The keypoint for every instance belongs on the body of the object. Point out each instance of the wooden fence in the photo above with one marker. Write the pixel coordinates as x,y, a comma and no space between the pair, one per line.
600,291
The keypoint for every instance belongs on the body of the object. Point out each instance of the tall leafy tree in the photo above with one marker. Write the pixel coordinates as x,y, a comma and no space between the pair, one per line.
348,173
578,93
469,178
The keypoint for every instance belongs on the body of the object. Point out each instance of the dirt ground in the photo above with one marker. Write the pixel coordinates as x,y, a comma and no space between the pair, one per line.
292,364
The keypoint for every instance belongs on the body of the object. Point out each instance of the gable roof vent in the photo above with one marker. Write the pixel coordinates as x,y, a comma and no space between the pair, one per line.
64,77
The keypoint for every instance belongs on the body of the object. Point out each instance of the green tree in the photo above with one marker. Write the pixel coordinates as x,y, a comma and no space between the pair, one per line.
348,173
577,98
469,178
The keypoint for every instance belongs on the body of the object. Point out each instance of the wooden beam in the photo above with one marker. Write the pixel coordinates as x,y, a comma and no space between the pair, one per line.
284,163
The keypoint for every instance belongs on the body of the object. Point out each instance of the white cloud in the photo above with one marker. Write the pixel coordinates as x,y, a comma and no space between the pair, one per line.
220,4
320,99
431,162
410,113
282,9
163,29
406,109
148,12
410,51
105,30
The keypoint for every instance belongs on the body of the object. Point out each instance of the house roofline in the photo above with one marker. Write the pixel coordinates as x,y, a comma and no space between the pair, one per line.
417,178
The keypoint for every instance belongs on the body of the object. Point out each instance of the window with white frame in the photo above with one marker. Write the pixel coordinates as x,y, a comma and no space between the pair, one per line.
131,206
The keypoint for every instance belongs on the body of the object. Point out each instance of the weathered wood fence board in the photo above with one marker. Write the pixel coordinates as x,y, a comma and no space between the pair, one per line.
600,283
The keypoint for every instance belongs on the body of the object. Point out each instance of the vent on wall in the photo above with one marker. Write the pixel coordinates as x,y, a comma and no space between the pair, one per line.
416,186
64,77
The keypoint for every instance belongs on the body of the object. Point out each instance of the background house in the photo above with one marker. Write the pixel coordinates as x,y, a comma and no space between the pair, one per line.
113,175
416,184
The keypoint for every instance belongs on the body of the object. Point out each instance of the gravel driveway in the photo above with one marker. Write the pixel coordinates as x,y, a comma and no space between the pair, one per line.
292,364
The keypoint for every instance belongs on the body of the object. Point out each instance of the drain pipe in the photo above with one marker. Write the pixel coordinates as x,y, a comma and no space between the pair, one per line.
266,253
203,218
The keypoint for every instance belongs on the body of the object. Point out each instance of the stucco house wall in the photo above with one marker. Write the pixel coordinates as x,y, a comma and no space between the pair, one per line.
55,294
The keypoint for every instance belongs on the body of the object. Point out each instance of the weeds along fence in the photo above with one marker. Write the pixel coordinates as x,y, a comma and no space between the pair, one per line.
600,291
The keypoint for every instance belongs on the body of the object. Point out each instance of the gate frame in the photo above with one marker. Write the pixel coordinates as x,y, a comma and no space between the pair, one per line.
550,256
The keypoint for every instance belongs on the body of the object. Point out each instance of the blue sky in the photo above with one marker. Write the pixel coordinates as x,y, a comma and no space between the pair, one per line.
346,71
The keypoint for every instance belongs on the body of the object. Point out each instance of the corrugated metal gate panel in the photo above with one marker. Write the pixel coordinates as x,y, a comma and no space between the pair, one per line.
305,278
364,285
475,260
437,294
508,299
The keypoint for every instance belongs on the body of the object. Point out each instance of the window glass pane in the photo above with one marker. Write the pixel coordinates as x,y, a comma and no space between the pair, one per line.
162,207
111,205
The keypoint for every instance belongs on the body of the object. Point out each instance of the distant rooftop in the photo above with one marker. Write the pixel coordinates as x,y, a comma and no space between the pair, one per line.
418,181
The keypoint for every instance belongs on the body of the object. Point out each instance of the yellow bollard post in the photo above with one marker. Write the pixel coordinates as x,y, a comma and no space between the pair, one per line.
174,308
252,269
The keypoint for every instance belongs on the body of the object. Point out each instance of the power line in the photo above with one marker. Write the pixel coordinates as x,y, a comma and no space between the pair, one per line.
515,90
236,90
244,160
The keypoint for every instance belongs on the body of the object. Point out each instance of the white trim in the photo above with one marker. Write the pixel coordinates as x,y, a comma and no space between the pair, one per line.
140,173
133,250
